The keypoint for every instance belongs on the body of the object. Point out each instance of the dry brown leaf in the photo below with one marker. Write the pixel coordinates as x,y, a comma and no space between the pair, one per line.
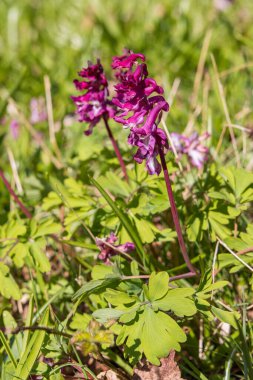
168,370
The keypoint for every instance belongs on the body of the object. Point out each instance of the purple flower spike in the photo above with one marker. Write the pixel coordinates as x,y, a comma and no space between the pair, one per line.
139,109
94,103
106,251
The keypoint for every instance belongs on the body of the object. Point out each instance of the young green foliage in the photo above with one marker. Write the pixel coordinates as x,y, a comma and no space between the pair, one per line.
143,325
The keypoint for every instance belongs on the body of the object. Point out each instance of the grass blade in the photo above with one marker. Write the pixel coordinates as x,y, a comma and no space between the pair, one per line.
28,322
196,371
32,351
229,364
44,307
247,357
7,348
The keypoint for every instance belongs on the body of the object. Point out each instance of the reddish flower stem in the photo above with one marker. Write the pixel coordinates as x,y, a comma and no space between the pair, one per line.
14,196
172,278
183,275
116,148
175,215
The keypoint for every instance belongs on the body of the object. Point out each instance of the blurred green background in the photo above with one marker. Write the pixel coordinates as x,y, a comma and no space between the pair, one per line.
58,37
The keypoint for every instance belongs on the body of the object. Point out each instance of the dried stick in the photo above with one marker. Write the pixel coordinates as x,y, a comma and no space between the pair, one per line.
200,68
235,255
50,115
14,171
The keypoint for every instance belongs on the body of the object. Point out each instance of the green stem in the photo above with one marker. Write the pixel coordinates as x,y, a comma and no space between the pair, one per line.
120,362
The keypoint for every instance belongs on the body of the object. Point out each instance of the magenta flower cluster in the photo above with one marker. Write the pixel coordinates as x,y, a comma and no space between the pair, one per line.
94,104
140,103
107,250
192,147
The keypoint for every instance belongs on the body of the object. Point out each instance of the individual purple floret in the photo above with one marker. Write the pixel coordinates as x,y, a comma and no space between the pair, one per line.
126,60
38,110
15,129
106,251
149,139
192,147
94,103
178,142
139,109
197,153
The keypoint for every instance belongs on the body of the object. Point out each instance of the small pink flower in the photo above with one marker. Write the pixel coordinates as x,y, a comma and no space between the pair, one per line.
106,252
222,5
15,129
38,110
192,146
197,153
